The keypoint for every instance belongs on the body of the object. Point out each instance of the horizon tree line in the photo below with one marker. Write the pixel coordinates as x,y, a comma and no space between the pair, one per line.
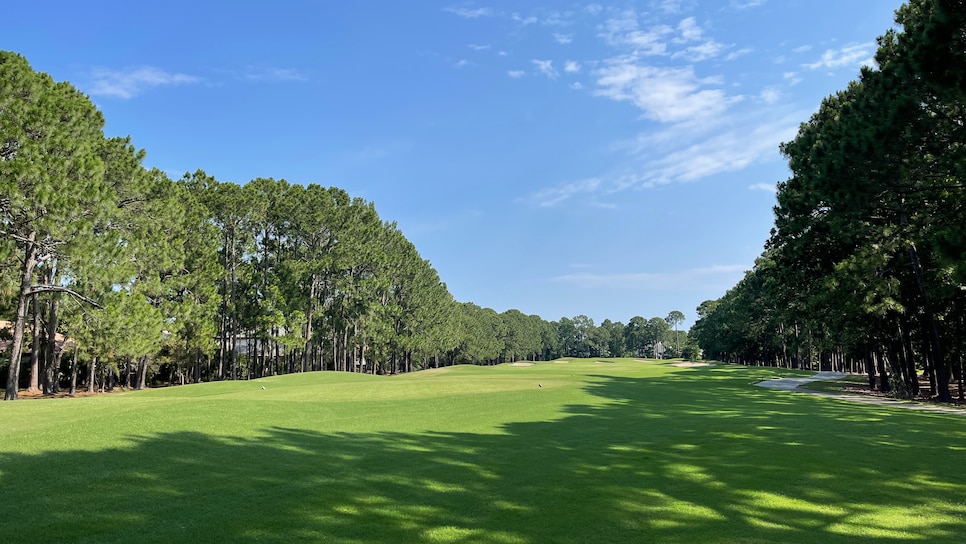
114,275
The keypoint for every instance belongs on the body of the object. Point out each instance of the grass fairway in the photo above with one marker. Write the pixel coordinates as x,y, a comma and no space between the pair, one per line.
625,451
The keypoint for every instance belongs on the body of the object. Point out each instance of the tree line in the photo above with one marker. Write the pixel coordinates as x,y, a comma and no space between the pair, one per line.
114,274
865,268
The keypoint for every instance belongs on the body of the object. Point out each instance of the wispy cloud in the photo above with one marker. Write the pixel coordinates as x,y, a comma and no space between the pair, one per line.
516,74
623,30
678,280
746,4
771,95
546,68
697,53
254,73
852,55
478,47
722,152
665,94
563,39
524,20
471,13
461,63
571,67
131,82
767,187
689,30
670,6
552,196
739,53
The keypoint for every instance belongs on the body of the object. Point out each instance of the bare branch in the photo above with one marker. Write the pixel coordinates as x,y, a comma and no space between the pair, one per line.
61,289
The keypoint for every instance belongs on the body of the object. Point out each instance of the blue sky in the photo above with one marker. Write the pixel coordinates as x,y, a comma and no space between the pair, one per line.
560,158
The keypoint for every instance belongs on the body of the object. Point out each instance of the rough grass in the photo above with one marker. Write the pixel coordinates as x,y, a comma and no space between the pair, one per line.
624,452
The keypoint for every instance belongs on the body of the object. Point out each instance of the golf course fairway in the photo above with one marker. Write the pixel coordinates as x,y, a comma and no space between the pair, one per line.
575,451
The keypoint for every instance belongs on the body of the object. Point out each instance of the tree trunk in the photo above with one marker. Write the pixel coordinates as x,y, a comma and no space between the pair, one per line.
73,373
52,359
142,377
870,366
91,373
23,299
35,347
935,344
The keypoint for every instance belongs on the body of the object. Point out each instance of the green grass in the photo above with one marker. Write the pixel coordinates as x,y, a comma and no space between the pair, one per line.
622,452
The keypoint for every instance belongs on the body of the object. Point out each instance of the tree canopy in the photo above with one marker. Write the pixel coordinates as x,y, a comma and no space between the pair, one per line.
864,266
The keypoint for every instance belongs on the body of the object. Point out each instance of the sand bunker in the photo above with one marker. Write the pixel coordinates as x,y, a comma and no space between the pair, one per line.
561,362
521,364
689,364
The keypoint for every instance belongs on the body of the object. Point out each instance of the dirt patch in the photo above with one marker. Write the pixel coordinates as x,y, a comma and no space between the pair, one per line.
605,362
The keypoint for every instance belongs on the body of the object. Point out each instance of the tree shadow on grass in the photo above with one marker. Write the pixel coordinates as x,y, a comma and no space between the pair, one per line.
695,456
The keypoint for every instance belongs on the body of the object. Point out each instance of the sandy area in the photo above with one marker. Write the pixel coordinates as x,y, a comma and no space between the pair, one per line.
521,364
689,364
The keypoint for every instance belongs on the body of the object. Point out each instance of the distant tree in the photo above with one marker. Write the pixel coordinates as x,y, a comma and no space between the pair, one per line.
675,318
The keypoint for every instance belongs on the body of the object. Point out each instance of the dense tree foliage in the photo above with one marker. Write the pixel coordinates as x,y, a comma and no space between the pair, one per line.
865,265
140,279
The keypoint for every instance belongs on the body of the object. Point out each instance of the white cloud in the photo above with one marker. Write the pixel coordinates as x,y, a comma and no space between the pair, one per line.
594,9
624,31
665,94
546,68
273,74
468,13
728,151
739,53
771,95
563,39
670,6
516,74
477,47
576,85
698,53
552,196
792,78
802,49
689,30
461,63
678,280
524,20
745,4
571,67
767,187
853,55
129,83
